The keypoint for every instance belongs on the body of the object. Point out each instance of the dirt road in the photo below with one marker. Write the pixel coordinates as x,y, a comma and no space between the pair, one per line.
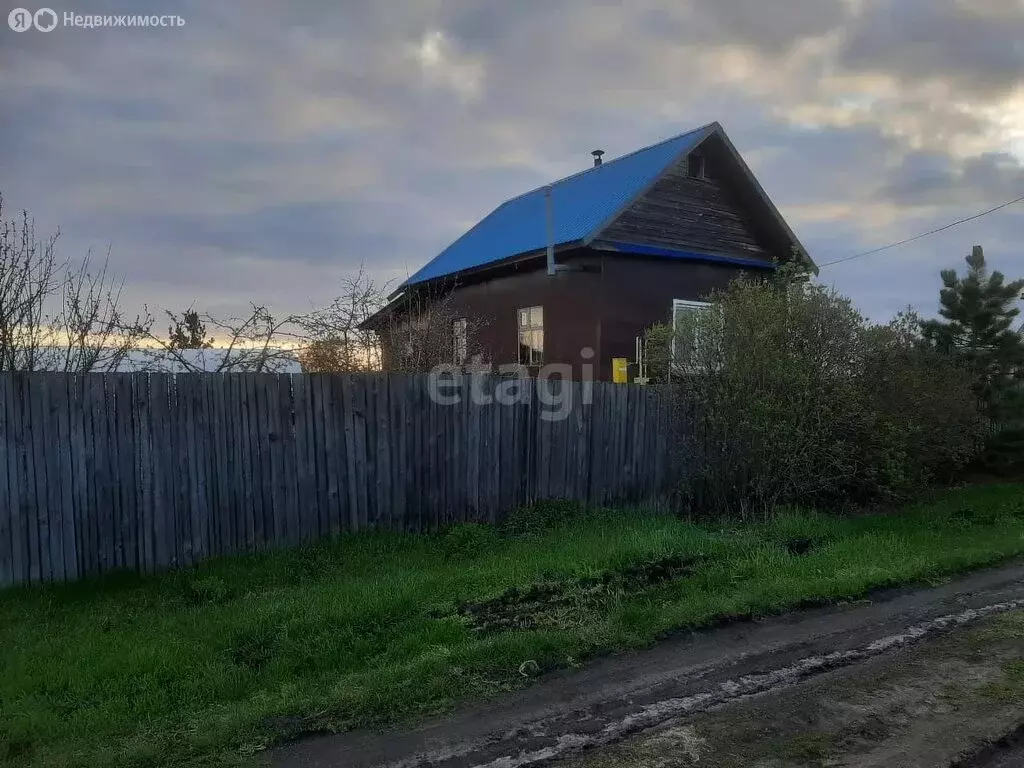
945,701
695,700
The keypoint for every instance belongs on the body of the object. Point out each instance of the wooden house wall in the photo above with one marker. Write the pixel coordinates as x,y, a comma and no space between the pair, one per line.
706,215
604,305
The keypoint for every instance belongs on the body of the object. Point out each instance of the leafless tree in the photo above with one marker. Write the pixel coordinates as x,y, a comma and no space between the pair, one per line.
335,338
55,314
425,329
361,330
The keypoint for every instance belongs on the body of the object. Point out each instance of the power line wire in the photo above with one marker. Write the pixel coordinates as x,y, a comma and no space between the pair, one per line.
923,235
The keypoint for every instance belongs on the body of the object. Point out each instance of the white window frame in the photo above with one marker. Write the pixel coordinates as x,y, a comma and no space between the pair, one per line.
460,340
531,327
683,305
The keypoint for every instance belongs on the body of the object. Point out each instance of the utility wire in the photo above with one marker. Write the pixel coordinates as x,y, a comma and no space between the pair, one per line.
923,235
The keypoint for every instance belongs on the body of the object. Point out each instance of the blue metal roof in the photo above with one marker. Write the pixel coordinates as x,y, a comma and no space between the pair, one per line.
582,205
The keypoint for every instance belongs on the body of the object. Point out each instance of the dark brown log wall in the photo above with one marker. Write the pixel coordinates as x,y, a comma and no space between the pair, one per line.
703,215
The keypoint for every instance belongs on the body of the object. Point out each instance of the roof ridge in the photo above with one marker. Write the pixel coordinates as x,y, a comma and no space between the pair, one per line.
611,162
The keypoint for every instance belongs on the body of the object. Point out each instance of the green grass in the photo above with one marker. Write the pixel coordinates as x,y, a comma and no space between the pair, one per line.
209,666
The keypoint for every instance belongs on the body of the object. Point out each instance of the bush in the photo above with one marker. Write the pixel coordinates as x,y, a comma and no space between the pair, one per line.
917,422
784,394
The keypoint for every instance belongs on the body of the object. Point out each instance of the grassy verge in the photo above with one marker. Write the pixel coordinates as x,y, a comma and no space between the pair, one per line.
207,667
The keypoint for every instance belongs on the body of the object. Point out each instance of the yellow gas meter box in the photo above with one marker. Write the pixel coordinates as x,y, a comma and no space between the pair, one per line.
620,370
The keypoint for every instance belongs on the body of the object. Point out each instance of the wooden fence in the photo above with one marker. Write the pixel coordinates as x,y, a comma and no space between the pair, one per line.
145,472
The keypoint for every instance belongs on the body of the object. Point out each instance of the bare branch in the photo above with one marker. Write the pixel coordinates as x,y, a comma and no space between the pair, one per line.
58,315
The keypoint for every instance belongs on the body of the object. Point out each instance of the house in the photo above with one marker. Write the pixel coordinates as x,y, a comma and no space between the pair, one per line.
575,271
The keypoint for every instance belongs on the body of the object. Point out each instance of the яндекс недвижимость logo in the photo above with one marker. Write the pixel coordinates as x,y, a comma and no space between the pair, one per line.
46,19
22,19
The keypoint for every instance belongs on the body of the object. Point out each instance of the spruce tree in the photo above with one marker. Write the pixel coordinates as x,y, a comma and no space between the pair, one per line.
978,313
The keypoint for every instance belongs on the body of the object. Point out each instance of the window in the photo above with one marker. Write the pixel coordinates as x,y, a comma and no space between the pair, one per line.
531,336
460,340
696,166
689,338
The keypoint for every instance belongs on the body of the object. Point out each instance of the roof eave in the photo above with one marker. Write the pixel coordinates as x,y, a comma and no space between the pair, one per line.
477,270
683,254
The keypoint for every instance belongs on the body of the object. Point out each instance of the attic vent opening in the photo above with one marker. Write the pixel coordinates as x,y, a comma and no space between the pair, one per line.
597,156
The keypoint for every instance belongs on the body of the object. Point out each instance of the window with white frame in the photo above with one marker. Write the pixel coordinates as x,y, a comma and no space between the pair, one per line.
460,340
689,338
531,335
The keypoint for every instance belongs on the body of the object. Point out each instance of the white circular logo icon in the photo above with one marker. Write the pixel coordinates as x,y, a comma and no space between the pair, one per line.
19,19
45,19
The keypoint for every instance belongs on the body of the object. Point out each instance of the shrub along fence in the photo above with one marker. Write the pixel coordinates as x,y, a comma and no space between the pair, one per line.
144,472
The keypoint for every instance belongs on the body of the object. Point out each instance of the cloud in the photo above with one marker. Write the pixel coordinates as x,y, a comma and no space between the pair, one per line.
444,67
935,179
975,48
266,149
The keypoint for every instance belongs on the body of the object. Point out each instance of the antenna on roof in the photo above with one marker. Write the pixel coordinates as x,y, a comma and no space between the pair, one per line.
597,156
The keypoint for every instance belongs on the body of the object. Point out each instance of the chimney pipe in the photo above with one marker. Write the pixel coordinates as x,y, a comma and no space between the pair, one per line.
597,156
549,216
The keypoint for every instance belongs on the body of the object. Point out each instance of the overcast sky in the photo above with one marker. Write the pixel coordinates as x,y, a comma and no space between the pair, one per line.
264,149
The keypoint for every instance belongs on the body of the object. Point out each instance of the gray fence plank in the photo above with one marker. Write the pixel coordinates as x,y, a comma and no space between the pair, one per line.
337,457
111,473
212,440
324,430
232,461
38,524
144,488
250,464
62,412
220,464
187,403
51,538
236,457
357,405
266,395
159,421
16,474
307,525
258,411
279,450
6,447
385,438
179,493
396,416
372,445
437,512
289,448
79,446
